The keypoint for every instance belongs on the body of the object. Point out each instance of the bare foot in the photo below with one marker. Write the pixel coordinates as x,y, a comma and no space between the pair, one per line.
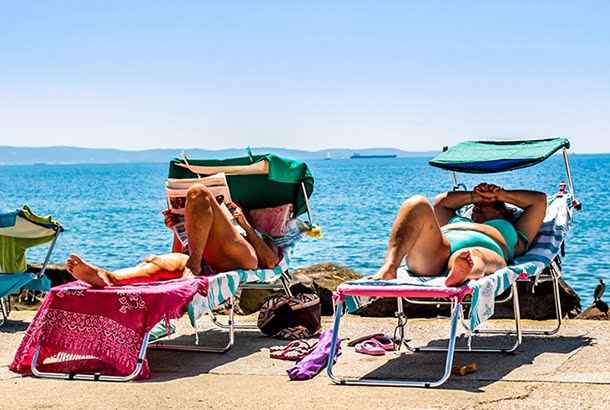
81,270
462,266
384,273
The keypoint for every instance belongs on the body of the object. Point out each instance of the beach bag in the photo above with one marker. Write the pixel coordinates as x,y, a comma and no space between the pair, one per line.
290,317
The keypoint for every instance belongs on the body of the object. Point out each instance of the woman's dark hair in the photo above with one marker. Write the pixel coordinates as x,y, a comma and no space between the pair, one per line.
507,213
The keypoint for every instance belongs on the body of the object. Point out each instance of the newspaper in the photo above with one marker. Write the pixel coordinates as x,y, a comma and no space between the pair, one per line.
176,190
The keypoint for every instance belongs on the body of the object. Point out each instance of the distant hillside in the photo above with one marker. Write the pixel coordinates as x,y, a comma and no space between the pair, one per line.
75,155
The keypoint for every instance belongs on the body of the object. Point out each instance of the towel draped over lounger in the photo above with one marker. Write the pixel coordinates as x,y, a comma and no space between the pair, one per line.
102,329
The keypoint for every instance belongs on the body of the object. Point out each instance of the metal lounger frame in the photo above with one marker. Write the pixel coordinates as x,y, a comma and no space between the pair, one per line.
166,343
456,314
96,376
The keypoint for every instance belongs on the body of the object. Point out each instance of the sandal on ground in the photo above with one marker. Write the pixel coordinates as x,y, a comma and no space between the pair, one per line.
291,345
354,342
292,351
370,347
385,341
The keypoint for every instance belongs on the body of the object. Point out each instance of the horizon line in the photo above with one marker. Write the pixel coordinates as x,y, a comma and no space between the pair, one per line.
244,148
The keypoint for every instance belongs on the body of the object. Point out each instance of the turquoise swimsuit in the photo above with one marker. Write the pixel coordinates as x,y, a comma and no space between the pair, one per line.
460,239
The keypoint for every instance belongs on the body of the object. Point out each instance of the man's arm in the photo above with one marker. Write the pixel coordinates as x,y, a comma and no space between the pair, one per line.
170,220
177,245
266,251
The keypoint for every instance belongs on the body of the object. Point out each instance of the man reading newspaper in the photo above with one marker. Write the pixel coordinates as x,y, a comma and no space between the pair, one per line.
214,244
176,190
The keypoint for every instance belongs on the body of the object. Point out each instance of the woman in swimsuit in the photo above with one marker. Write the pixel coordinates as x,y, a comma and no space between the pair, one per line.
436,242
211,238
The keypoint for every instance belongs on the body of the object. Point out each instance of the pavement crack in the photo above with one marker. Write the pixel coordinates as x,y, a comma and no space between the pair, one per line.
526,395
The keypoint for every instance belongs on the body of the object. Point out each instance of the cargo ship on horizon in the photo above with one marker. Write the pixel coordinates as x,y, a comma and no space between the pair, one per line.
355,155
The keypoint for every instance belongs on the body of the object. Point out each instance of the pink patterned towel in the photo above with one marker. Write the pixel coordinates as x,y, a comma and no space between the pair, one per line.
105,325
271,221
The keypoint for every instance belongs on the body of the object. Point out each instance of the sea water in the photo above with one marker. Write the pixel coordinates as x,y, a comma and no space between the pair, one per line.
112,212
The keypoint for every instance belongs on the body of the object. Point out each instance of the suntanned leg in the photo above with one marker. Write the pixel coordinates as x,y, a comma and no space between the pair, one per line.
212,237
417,236
198,218
151,269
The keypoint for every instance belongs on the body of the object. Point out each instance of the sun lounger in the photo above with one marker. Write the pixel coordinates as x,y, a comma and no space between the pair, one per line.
20,230
223,287
102,334
542,257
257,181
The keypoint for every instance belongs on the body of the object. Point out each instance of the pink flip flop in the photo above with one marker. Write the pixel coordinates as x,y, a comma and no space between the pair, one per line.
354,342
370,347
292,351
295,344
386,343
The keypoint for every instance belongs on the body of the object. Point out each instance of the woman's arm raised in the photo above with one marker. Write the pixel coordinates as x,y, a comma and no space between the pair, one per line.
446,204
529,222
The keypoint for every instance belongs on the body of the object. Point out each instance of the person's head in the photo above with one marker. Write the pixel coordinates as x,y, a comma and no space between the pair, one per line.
485,211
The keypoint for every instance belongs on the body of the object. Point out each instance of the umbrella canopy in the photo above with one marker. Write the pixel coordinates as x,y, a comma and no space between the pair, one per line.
483,157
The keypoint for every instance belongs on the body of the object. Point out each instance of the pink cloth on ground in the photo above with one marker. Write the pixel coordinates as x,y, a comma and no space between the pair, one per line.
108,325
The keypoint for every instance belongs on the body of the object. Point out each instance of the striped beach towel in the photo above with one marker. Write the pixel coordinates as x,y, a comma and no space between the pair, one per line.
543,249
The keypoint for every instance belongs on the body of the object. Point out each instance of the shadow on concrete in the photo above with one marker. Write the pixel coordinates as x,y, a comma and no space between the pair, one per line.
14,326
171,365
491,367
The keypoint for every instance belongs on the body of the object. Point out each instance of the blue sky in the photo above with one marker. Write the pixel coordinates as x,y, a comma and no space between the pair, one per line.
308,75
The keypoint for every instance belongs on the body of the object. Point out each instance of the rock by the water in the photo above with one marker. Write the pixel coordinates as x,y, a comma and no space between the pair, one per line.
593,313
325,278
321,279
540,304
56,272
386,307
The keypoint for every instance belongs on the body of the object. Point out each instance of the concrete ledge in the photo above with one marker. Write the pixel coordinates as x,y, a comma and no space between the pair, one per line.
569,369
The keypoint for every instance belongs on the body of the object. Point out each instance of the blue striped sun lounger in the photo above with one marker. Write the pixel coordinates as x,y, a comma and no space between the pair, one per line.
223,286
543,251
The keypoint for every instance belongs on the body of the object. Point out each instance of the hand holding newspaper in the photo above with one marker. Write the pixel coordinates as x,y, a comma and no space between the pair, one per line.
176,190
